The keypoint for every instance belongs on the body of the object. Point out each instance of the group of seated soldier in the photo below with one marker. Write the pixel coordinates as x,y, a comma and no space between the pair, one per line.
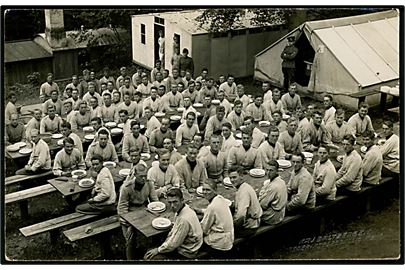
213,153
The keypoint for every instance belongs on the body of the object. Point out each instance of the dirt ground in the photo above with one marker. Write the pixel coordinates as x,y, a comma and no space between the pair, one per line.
373,235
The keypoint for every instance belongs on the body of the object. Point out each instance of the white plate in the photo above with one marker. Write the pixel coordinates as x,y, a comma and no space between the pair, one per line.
180,109
363,149
110,124
264,123
156,206
86,183
56,136
145,156
198,105
124,172
284,163
308,154
88,129
161,223
159,114
175,117
257,172
200,191
21,144
227,182
215,101
79,172
89,137
13,148
116,131
340,158
25,151
60,142
109,163
120,125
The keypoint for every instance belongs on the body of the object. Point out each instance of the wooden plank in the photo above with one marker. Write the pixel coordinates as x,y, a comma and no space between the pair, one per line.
54,223
364,93
98,226
394,110
20,178
29,193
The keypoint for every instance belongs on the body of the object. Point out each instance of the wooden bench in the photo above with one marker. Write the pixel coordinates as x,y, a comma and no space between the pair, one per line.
100,228
28,193
23,195
263,229
20,178
361,95
54,224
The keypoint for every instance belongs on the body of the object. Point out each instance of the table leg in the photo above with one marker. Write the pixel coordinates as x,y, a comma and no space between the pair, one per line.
24,209
383,101
105,245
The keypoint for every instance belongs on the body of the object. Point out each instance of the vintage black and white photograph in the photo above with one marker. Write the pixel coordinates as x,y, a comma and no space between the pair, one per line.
202,134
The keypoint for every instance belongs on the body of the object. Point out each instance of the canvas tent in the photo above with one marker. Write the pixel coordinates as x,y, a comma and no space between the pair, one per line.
340,56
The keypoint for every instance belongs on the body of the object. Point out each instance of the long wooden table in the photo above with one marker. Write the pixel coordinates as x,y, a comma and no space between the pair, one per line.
70,187
141,219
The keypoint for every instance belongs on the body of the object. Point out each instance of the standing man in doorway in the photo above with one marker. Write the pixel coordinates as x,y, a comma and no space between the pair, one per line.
288,65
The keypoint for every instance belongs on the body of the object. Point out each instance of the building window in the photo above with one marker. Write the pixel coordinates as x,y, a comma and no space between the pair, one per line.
143,34
159,20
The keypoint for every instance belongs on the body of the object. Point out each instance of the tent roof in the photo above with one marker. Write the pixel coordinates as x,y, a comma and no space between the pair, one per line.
23,50
186,20
366,45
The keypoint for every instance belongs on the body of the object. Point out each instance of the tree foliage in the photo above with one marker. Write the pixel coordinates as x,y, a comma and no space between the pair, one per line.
222,20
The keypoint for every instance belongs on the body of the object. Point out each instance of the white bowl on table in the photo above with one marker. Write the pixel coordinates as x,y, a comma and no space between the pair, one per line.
116,130
257,172
157,207
199,191
89,137
88,129
264,123
161,223
13,148
25,151
145,156
284,164
86,183
124,172
160,114
56,136
175,117
21,144
110,124
198,105
109,164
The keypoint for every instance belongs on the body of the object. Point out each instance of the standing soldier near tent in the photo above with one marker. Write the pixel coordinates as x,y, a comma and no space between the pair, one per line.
288,65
